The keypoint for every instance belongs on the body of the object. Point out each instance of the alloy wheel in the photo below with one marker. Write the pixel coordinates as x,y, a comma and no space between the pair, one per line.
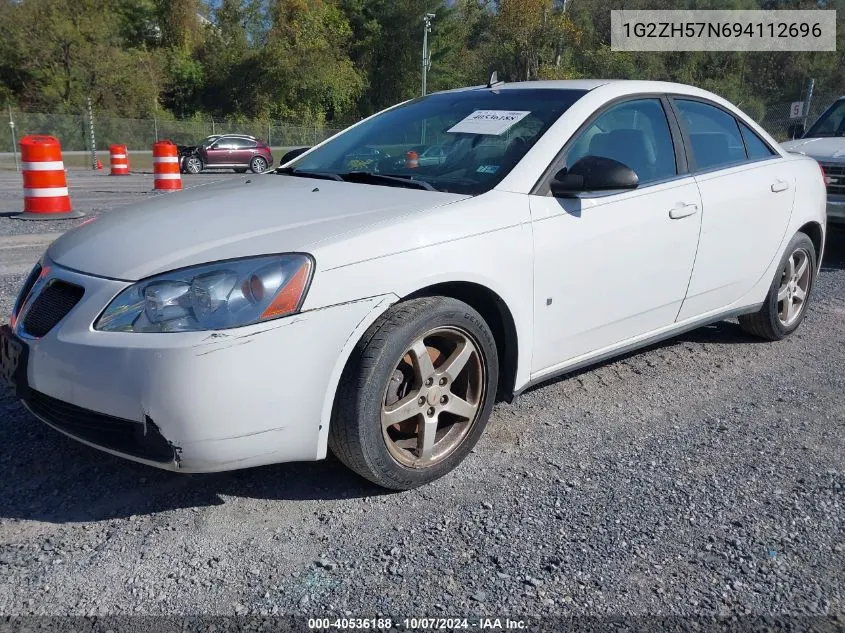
258,165
433,397
794,287
194,165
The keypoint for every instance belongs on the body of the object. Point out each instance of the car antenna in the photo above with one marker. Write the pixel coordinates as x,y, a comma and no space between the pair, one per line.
494,80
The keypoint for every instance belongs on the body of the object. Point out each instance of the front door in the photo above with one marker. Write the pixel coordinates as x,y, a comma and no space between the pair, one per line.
611,267
220,153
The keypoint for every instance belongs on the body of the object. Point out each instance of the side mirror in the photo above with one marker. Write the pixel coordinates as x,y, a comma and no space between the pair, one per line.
593,173
796,130
289,156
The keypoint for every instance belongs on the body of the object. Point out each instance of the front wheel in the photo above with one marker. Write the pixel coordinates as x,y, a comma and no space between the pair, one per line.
417,393
193,165
786,304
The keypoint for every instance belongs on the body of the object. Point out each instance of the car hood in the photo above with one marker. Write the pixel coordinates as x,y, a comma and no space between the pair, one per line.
818,148
235,218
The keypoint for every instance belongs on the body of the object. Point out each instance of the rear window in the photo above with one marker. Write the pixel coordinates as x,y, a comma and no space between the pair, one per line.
755,147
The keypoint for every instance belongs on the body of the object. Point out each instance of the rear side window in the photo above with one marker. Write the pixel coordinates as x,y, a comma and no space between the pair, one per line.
714,134
755,147
242,143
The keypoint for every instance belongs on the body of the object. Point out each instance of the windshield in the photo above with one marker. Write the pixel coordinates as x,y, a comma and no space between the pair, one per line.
461,142
830,123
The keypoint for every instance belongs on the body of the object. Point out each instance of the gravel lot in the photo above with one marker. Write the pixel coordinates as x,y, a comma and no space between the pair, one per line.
705,475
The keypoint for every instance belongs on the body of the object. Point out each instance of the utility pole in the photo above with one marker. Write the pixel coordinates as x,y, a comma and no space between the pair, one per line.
426,55
14,139
808,101
91,130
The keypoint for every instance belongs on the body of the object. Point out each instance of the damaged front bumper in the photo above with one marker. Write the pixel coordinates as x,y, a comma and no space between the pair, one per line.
193,401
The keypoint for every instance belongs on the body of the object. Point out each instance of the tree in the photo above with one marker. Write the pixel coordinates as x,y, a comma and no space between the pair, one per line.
54,54
307,72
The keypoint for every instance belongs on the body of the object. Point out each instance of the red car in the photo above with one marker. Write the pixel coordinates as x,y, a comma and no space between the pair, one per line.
226,151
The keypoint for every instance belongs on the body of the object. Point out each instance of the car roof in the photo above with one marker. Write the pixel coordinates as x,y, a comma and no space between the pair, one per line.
235,135
622,85
555,84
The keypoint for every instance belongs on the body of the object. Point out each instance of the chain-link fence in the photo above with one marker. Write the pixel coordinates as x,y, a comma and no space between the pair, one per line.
786,120
781,120
73,131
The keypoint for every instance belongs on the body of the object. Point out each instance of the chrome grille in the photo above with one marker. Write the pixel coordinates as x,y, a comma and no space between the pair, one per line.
834,178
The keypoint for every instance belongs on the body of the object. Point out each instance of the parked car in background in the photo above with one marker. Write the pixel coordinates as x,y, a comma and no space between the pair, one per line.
380,309
825,141
226,151
434,155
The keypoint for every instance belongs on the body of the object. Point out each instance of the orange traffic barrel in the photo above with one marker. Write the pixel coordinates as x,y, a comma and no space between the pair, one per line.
166,166
412,160
118,160
45,192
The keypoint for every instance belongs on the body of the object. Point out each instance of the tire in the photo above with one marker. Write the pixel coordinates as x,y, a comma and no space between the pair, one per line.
258,165
454,336
774,321
193,165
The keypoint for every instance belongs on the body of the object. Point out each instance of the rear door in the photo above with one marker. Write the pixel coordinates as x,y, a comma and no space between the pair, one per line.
244,150
747,192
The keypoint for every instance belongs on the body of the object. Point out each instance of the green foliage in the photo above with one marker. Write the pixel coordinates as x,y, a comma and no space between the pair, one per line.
337,60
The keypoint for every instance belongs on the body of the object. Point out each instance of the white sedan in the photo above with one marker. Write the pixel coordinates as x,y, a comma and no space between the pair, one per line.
379,308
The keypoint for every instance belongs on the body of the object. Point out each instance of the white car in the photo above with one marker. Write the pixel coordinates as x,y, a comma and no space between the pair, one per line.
381,315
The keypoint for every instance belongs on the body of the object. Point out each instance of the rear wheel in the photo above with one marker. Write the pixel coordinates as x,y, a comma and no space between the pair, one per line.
417,393
786,304
258,165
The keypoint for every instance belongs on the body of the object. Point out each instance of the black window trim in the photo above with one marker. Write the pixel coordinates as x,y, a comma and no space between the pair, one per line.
737,120
542,188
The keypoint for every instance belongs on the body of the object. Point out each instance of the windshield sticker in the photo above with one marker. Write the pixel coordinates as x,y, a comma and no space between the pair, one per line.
487,169
493,122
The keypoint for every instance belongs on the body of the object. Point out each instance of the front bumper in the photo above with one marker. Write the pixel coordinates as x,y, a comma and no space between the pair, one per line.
194,402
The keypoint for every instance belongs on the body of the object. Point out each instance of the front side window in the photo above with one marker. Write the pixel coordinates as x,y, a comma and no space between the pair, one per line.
635,133
462,142
714,134
830,123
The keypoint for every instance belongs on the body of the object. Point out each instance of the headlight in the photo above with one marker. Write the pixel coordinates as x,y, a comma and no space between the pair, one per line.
215,296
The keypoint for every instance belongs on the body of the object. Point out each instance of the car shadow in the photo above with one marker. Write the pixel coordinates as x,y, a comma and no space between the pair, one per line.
720,333
51,478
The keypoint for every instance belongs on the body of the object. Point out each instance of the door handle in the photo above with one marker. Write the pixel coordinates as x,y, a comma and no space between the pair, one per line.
683,211
779,185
